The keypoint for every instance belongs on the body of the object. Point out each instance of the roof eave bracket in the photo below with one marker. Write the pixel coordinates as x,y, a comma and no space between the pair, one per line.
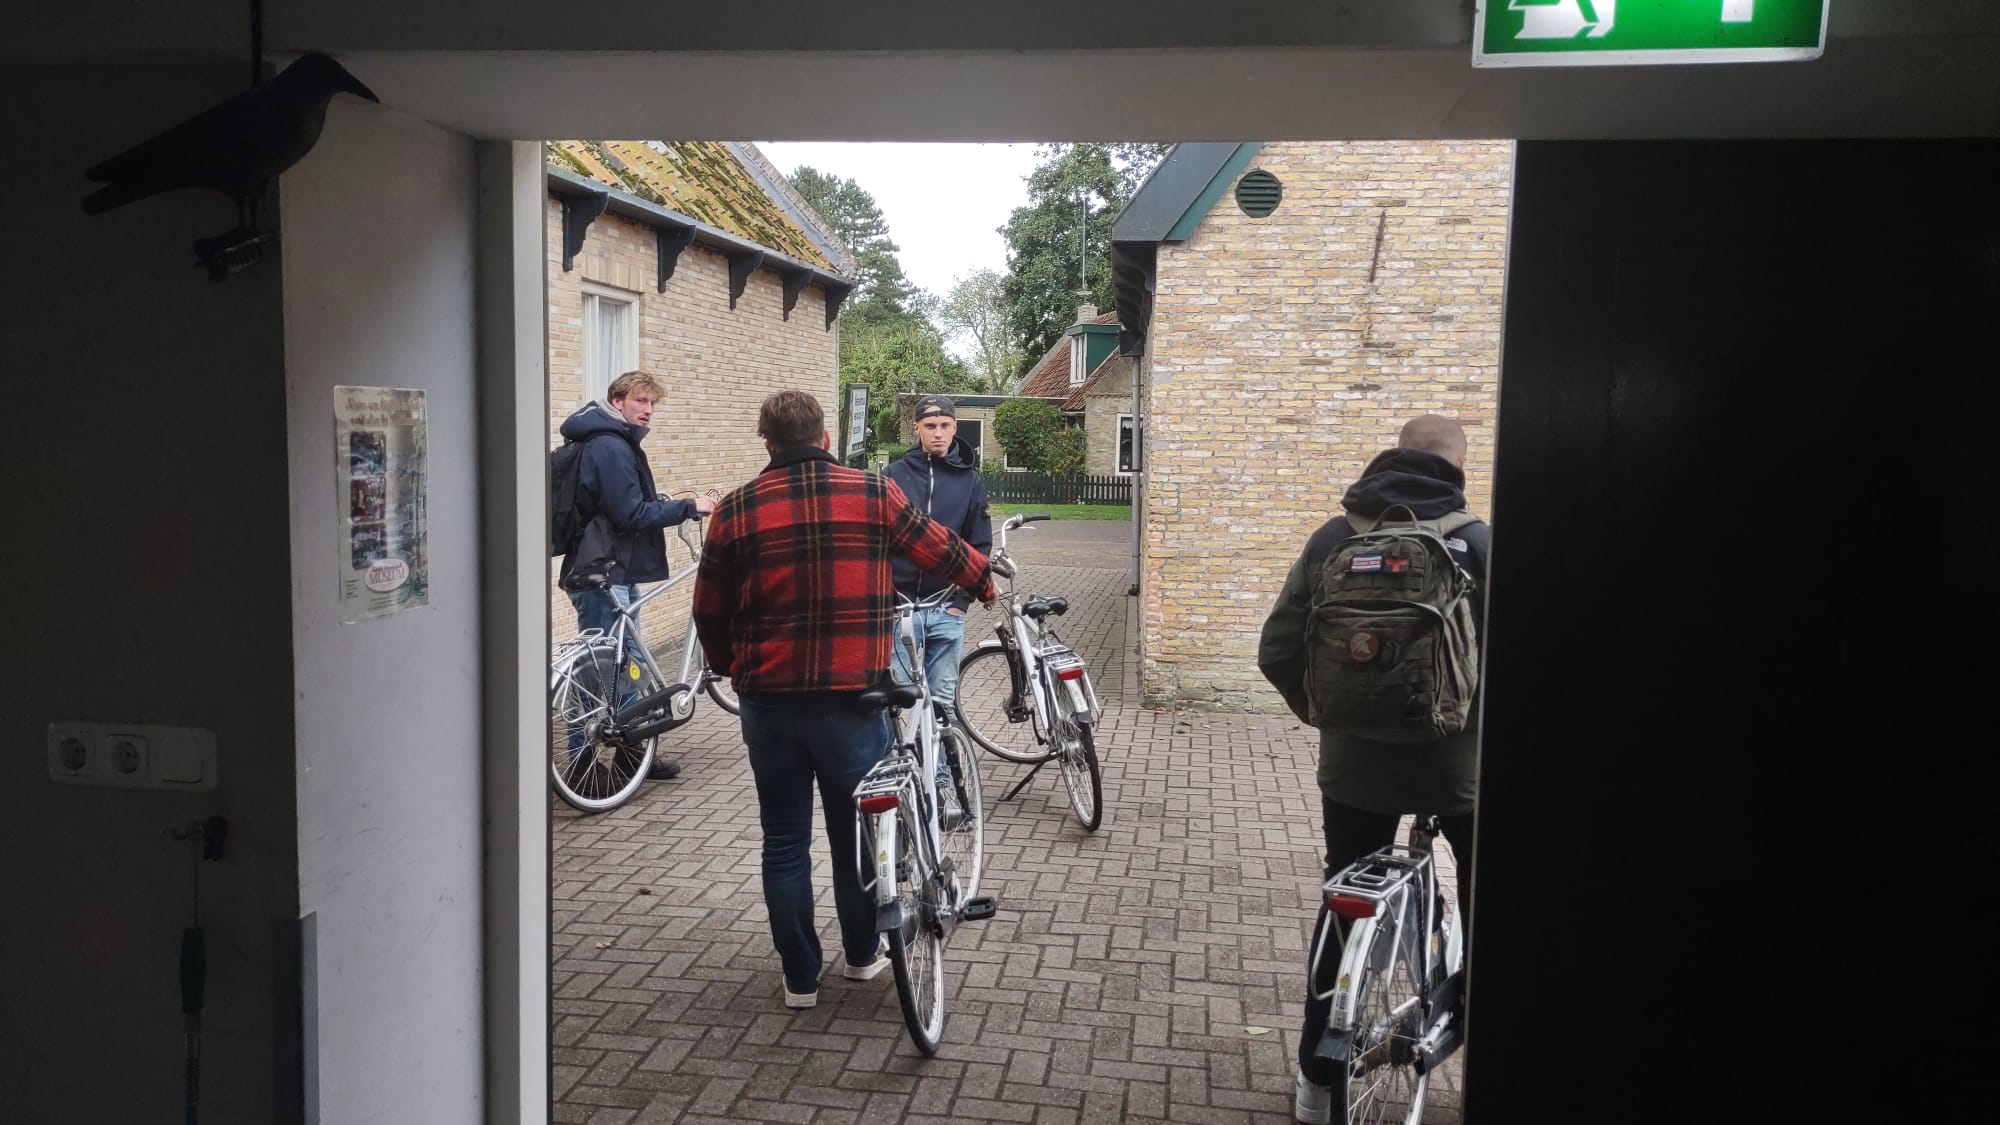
579,210
795,284
742,264
672,240
835,296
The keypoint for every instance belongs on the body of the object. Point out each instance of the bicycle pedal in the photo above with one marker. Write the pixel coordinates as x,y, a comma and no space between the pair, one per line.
977,909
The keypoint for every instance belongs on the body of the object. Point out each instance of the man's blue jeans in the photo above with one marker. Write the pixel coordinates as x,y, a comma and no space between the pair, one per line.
792,745
943,634
598,609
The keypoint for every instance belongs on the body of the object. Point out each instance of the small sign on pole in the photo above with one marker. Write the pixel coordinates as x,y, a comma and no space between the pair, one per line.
857,420
1646,32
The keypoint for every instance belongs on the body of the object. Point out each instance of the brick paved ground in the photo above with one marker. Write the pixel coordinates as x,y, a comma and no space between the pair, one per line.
1130,974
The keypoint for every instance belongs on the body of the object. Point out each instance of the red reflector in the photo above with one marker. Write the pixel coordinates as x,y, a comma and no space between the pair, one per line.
1351,908
881,802
1074,672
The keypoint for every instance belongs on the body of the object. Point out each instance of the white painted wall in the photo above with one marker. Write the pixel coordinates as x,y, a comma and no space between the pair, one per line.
379,290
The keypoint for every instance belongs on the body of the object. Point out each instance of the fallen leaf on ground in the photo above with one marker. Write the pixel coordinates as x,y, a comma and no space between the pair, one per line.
1258,1030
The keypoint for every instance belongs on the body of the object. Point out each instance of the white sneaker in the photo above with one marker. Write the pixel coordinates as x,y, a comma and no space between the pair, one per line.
1312,1103
801,999
872,969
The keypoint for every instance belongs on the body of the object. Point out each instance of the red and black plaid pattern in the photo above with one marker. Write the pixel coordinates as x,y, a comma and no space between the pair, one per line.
794,591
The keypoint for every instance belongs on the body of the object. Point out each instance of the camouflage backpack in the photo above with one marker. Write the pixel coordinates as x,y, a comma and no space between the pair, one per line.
1392,642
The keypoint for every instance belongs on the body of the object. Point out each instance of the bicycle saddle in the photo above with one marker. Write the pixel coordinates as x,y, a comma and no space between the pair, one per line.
891,695
1042,607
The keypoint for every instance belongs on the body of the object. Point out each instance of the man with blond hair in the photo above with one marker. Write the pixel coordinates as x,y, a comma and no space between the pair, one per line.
795,603
620,510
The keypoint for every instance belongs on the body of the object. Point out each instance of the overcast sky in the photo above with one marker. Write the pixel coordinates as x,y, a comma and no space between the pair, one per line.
945,203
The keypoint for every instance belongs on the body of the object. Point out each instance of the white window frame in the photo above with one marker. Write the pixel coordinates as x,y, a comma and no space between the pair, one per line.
1007,461
1079,351
1117,460
626,358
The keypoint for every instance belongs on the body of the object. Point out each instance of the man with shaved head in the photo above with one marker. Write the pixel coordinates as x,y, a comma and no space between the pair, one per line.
1366,787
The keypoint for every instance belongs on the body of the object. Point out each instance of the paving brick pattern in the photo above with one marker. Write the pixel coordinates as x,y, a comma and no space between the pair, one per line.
1151,971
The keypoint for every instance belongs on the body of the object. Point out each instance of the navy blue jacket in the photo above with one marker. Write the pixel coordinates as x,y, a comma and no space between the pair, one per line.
615,480
949,490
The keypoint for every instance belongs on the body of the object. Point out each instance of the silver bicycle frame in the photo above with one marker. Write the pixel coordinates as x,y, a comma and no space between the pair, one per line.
1040,658
1388,877
627,623
910,776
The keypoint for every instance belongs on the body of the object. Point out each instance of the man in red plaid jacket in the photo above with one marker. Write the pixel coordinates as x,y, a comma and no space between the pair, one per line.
794,603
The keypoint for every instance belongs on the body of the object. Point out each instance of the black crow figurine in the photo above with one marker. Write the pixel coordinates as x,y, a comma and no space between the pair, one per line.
236,148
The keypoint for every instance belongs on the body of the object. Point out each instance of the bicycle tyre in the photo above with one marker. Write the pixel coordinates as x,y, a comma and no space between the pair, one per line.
606,774
720,690
984,682
965,845
1082,775
916,953
1380,1084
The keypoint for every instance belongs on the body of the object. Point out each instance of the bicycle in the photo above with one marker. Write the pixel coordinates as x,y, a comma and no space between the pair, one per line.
1398,989
923,875
608,708
1027,697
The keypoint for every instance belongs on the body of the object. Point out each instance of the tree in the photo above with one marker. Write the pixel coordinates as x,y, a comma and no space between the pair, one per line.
1034,435
1059,245
977,309
881,292
903,358
889,340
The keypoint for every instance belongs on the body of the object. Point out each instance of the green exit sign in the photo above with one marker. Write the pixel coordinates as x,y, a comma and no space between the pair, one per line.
1639,32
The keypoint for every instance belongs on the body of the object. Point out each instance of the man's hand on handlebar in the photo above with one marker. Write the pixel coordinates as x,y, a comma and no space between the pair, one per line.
703,505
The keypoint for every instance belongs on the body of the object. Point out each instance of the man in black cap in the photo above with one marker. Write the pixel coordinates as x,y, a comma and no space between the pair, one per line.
940,474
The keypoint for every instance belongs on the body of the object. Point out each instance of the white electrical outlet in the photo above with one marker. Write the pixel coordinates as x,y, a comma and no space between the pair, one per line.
132,756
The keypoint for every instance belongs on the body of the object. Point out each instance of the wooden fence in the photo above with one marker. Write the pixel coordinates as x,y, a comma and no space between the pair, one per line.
1041,488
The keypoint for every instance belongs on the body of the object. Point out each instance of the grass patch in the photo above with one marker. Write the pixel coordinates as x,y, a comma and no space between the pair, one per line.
1065,511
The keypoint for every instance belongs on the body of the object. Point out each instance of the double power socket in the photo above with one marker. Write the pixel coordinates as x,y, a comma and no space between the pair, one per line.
132,755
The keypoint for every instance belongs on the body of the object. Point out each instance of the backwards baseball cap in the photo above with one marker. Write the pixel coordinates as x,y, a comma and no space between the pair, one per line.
932,406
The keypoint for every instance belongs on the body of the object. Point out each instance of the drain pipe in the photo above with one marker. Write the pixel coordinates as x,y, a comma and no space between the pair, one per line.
1138,473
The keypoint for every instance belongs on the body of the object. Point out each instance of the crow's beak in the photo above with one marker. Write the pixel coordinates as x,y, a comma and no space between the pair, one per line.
353,86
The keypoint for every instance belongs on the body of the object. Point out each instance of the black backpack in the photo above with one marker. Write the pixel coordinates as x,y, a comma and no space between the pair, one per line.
565,466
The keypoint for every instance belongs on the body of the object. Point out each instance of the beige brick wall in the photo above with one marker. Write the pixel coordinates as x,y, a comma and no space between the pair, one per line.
717,364
1277,370
1109,397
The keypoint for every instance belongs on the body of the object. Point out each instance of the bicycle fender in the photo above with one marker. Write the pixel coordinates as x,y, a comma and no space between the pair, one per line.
1353,970
896,916
1335,1046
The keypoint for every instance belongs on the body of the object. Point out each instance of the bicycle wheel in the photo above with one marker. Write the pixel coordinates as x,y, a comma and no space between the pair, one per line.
720,690
1076,756
985,681
1381,1083
916,951
593,773
964,846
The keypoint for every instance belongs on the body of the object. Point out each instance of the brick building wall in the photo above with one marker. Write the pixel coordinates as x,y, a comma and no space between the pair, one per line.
1108,398
1277,369
717,364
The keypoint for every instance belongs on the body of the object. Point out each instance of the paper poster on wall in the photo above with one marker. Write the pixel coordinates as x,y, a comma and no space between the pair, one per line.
379,449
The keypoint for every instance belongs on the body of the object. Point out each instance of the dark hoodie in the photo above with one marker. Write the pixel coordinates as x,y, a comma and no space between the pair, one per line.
613,478
1423,777
949,490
